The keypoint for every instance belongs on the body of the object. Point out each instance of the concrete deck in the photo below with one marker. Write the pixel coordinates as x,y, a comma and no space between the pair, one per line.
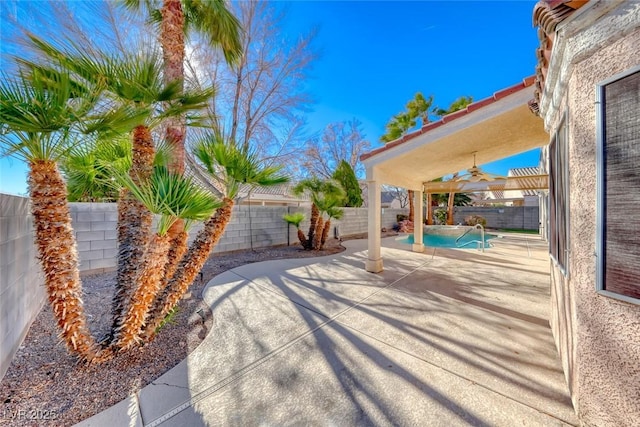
445,337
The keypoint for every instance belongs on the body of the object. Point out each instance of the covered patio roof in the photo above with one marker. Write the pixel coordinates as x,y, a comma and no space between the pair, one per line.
494,128
531,182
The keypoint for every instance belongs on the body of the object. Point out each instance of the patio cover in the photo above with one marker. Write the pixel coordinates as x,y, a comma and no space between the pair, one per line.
494,128
529,182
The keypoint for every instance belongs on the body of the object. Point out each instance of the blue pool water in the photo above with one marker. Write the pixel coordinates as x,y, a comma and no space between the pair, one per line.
443,241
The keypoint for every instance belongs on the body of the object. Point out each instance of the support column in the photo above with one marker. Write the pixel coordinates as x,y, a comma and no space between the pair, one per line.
374,258
418,246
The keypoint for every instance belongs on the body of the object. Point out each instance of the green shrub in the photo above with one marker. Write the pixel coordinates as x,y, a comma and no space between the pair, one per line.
440,215
401,217
169,319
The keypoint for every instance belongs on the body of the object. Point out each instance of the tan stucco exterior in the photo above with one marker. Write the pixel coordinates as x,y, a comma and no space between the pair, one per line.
598,337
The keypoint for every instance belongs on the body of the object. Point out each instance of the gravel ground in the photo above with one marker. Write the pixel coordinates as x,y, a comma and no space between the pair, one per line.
46,383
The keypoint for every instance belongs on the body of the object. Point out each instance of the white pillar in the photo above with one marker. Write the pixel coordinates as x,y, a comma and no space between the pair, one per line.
374,259
418,218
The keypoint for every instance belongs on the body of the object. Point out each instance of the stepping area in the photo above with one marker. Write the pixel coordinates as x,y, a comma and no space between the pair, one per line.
444,337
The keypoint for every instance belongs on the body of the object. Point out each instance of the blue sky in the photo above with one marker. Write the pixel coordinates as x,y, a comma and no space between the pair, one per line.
376,55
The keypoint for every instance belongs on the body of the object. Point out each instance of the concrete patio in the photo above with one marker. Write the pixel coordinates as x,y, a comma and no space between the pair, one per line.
445,337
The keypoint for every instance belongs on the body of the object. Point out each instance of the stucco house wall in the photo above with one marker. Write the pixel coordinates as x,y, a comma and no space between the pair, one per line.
598,337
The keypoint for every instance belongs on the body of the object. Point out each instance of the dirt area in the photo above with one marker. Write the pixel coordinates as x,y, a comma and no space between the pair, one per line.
46,386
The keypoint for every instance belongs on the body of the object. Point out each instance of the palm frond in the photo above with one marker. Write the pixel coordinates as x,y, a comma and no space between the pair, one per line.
88,168
335,212
232,166
213,19
172,196
133,81
294,219
40,116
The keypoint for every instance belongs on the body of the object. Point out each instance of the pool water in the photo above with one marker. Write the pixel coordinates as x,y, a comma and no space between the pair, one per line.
443,241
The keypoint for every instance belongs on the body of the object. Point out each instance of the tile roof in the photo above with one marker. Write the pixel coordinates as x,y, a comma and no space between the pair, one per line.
547,14
453,116
284,191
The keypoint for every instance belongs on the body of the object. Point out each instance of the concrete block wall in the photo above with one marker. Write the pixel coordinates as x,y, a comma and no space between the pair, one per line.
22,292
95,226
255,226
521,217
356,220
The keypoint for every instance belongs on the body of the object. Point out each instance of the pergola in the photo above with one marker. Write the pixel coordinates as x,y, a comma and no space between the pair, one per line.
493,128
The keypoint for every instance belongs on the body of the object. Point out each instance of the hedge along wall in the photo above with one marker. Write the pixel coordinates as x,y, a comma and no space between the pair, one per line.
22,291
250,226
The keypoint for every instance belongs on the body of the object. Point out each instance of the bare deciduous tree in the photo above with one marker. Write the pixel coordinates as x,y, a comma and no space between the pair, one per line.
399,193
339,141
259,101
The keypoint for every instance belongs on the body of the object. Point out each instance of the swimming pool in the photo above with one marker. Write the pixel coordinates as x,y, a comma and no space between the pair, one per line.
440,239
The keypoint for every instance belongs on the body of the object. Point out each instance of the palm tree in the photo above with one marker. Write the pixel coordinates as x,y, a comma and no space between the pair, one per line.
134,82
457,104
173,197
448,199
296,219
328,202
324,195
83,168
44,112
175,19
229,167
450,202
332,212
312,185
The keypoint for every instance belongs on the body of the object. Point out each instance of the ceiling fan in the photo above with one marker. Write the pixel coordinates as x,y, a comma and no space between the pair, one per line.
475,174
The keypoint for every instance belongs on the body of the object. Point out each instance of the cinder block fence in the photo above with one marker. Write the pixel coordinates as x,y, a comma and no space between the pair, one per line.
250,227
22,292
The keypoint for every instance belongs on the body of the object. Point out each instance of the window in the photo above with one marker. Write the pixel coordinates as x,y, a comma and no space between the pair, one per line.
559,199
618,167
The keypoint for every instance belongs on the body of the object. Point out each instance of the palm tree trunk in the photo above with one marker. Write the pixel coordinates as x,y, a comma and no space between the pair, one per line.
317,236
58,255
450,203
134,227
190,265
145,293
172,42
177,250
325,232
315,214
452,196
302,238
178,247
429,210
410,196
